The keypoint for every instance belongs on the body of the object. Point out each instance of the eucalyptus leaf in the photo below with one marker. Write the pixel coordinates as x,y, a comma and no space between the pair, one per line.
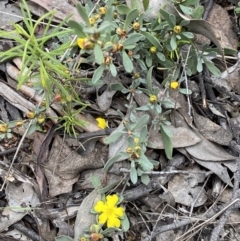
127,62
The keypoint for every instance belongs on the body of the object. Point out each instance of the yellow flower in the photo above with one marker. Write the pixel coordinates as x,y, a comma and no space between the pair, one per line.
81,42
177,29
174,85
102,10
153,50
102,123
153,98
109,212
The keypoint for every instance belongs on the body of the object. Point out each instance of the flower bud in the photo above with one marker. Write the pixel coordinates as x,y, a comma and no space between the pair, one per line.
91,21
129,150
88,45
119,31
41,119
114,48
177,29
30,115
119,47
153,98
136,140
96,17
136,75
3,128
102,10
130,53
115,15
57,98
19,123
153,50
107,60
136,26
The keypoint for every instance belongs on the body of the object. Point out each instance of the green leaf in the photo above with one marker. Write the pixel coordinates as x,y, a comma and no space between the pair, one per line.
127,62
132,39
63,238
98,54
113,70
98,73
142,121
198,12
133,175
82,12
144,133
190,2
145,4
173,42
153,40
120,157
166,15
161,56
167,142
96,182
186,10
188,35
145,164
113,137
123,9
185,91
125,223
149,79
117,86
212,68
145,179
130,17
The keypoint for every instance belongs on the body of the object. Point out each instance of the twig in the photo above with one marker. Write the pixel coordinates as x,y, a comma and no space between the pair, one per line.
218,229
203,91
11,150
28,232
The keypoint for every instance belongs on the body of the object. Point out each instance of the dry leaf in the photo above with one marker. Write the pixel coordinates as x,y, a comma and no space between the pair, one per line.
212,131
186,188
181,137
84,217
64,165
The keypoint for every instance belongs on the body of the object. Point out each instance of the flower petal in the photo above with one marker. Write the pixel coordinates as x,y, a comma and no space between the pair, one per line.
119,211
99,207
113,221
102,218
112,200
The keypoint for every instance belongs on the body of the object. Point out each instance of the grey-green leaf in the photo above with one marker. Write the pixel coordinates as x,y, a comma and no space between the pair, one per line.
82,12
98,73
133,175
127,62
130,17
98,54
77,28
